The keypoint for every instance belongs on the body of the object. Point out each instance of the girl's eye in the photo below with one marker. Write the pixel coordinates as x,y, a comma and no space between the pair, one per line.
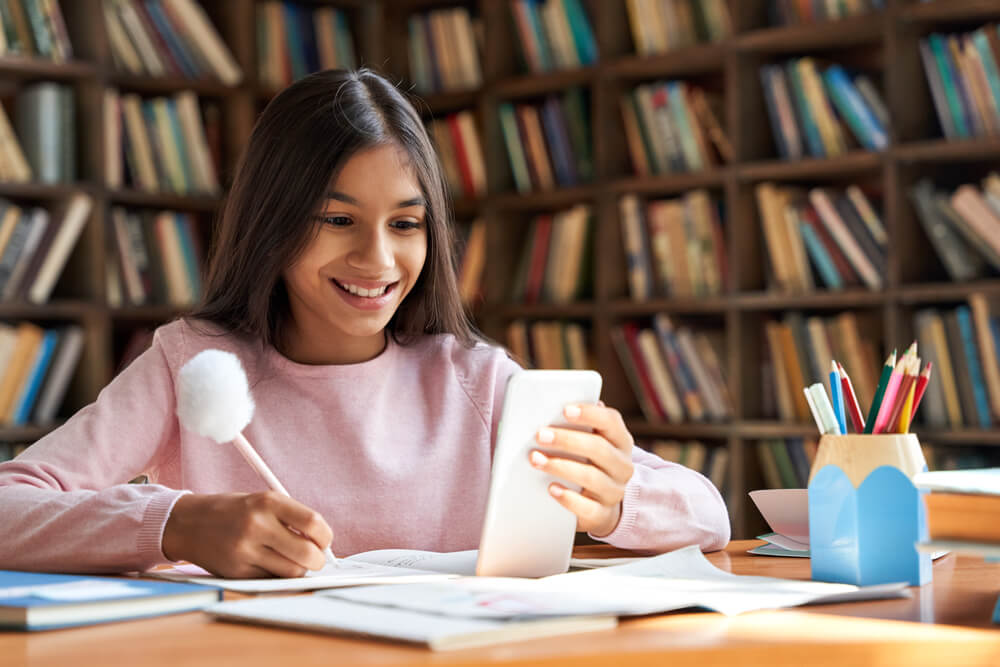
407,225
334,220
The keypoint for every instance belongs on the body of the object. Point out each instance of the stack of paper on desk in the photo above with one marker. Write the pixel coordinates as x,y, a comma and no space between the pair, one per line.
428,612
384,566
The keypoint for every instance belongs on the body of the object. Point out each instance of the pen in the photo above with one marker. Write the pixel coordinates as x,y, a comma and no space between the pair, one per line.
257,463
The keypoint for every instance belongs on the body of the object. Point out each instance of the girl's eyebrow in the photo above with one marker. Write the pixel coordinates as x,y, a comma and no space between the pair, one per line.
348,199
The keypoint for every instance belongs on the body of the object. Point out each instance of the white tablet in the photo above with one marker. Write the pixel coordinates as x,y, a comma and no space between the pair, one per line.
527,533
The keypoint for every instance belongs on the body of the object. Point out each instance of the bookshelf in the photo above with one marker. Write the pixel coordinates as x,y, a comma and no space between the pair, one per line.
883,42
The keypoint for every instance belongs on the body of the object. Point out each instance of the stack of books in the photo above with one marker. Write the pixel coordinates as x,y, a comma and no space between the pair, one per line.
964,344
553,35
711,461
457,142
294,40
443,52
963,75
809,110
555,264
165,143
963,226
785,463
792,12
963,510
36,243
674,247
840,233
36,365
550,345
675,373
167,38
659,26
798,351
34,28
45,121
671,126
548,144
158,258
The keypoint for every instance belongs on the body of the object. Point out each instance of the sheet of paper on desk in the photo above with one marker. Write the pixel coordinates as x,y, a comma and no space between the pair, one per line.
346,573
676,580
383,566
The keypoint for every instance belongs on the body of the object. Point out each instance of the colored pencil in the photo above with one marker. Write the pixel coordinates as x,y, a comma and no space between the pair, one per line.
889,396
909,379
883,380
837,395
922,381
907,410
853,407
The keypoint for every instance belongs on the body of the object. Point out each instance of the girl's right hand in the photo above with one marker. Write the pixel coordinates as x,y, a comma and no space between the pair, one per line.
246,535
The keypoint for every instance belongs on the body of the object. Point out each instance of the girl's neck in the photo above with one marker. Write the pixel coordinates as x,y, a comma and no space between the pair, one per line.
302,348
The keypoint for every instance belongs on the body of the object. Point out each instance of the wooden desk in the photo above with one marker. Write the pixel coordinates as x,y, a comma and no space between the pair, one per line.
944,623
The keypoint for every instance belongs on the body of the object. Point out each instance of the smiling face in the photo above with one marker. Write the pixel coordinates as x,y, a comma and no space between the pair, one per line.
366,256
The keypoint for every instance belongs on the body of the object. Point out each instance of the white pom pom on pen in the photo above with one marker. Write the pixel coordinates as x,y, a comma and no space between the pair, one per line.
213,396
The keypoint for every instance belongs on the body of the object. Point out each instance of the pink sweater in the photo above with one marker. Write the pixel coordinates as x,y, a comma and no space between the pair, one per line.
393,452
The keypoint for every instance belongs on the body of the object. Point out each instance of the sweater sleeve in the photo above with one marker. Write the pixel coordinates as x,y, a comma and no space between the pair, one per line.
65,504
668,506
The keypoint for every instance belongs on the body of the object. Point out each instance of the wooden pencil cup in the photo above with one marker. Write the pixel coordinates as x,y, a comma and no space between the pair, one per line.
865,514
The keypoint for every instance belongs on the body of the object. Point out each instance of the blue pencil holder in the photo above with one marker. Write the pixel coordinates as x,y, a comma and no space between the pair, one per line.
865,515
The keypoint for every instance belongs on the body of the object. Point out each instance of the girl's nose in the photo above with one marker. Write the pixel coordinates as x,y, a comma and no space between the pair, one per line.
374,252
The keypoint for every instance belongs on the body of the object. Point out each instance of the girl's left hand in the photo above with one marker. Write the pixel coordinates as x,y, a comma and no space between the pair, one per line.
603,471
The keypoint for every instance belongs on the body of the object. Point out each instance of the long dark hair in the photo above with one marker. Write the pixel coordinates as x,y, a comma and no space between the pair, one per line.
299,143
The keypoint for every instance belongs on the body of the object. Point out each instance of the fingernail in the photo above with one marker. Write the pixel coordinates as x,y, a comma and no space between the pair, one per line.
546,435
539,459
556,490
572,411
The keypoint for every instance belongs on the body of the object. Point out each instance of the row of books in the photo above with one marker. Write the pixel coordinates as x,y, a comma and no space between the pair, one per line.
34,28
941,457
964,79
785,463
963,343
963,226
674,247
36,365
797,353
457,143
157,258
472,262
443,50
658,26
548,144
675,372
40,144
712,461
161,143
670,126
549,345
836,235
294,40
556,258
796,12
555,34
809,111
35,244
167,38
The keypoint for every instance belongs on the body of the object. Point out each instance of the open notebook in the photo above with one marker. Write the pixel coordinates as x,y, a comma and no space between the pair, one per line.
383,566
466,611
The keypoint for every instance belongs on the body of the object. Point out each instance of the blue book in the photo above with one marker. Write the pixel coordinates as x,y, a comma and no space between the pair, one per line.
809,128
854,109
38,370
35,601
191,265
982,407
174,42
583,36
557,142
820,257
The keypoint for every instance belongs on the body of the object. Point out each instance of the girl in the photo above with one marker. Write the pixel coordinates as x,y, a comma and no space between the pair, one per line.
332,281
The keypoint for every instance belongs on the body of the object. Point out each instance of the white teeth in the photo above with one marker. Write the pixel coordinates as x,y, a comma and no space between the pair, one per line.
361,291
